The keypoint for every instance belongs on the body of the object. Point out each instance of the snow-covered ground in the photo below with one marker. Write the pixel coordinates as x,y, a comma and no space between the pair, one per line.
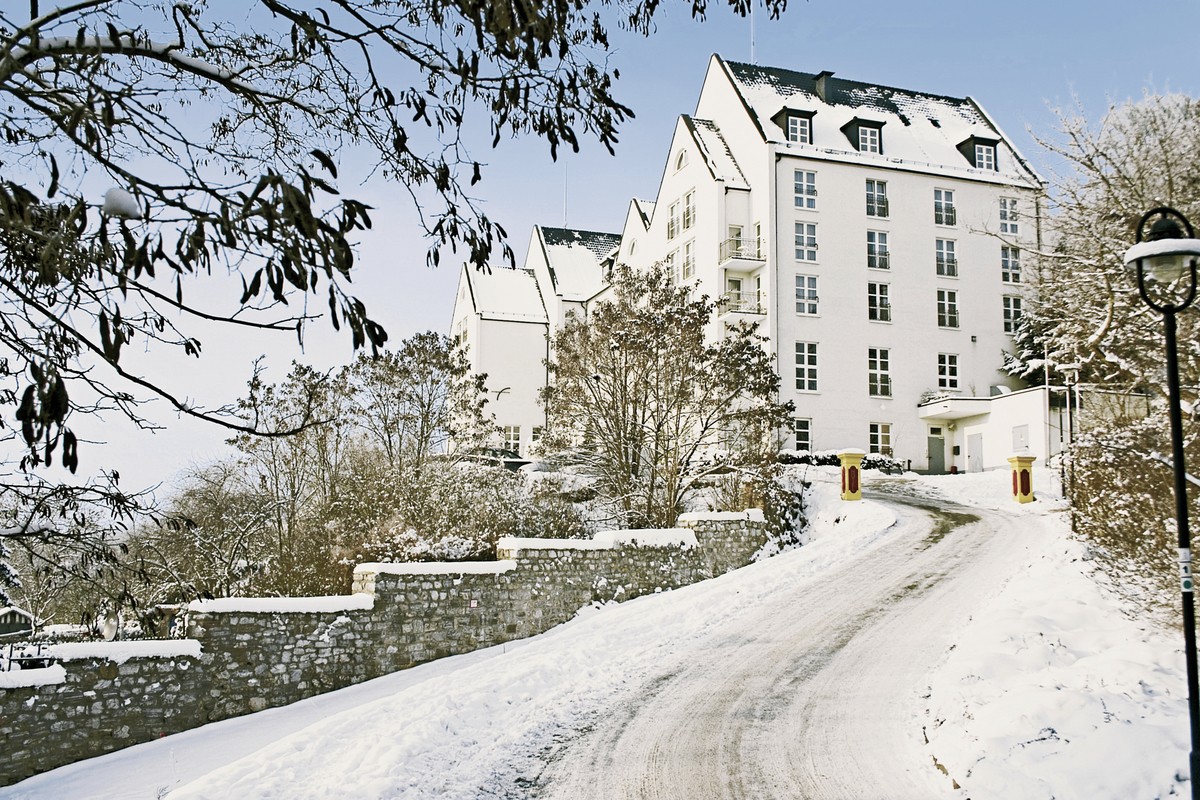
1048,691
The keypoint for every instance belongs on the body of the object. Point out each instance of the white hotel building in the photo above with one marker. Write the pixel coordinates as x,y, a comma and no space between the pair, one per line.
874,233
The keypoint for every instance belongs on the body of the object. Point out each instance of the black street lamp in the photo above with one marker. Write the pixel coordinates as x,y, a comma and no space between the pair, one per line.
1164,261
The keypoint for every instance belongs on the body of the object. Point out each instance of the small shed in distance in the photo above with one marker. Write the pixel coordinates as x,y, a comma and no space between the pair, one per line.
15,620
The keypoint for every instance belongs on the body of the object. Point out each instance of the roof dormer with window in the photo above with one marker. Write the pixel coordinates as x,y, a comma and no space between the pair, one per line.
866,135
980,151
797,124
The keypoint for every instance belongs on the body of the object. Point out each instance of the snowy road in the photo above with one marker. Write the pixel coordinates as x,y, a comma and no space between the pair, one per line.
819,693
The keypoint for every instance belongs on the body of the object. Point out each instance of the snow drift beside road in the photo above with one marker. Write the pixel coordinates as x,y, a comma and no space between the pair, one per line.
1050,692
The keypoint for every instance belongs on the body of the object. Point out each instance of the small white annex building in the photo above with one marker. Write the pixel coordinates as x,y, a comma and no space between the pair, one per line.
874,234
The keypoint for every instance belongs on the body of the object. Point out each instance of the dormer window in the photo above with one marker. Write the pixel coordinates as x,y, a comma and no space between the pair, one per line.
981,152
865,134
868,140
796,125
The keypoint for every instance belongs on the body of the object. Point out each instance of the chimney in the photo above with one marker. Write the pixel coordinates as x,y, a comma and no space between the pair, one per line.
821,85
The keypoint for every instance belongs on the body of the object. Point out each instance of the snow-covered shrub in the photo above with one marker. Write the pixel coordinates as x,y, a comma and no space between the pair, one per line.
458,512
1123,504
829,458
770,487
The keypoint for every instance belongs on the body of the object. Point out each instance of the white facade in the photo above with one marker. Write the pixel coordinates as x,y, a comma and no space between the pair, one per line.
873,233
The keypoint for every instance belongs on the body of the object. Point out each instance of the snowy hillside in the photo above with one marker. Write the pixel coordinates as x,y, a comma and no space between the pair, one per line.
1048,691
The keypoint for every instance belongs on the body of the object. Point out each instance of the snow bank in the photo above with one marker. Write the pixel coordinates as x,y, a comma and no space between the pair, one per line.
284,605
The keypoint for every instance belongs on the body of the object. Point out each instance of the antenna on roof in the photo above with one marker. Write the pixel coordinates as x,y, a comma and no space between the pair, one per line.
564,191
753,59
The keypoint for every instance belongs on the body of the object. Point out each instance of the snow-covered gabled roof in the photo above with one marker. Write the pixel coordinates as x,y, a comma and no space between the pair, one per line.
918,129
715,151
574,258
506,294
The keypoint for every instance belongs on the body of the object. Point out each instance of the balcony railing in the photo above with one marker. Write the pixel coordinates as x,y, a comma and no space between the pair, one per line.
947,265
742,303
877,206
743,248
944,214
878,260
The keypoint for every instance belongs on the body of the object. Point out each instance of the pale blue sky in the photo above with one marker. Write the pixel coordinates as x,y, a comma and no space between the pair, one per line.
1017,58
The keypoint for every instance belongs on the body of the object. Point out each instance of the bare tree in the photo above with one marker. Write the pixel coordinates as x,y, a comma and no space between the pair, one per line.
652,403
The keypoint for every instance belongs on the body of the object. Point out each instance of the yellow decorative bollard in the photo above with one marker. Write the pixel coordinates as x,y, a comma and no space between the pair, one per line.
1022,476
851,473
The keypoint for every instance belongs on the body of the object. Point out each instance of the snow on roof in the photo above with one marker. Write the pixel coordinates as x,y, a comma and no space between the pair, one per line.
918,127
715,151
574,258
507,294
14,610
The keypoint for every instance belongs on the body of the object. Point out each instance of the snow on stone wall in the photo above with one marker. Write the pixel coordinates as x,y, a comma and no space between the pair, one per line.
246,655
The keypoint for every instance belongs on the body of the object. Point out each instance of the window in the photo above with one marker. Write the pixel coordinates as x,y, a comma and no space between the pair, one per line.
803,430
689,210
877,204
535,436
673,220
512,438
879,305
879,378
1012,313
877,250
947,308
806,241
806,189
943,207
881,438
806,294
947,262
681,160
1008,216
799,129
689,259
1010,264
806,366
869,139
947,370
985,156
671,264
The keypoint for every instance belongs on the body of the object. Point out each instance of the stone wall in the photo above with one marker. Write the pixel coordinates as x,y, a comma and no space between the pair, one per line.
245,654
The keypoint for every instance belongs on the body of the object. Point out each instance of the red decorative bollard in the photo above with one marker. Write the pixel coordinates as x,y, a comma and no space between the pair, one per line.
851,461
1022,476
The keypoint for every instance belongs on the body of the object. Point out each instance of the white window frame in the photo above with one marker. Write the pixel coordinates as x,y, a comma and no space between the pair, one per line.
674,221
1009,215
879,372
799,129
944,212
870,139
806,367
805,188
948,371
877,202
879,302
512,438
802,432
1012,312
947,308
681,160
878,255
946,258
808,302
985,156
1010,264
689,209
689,259
879,438
806,241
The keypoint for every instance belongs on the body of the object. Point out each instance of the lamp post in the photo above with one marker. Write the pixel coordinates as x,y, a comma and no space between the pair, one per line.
1164,262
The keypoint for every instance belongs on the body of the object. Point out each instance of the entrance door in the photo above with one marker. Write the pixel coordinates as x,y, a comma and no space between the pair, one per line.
937,455
975,452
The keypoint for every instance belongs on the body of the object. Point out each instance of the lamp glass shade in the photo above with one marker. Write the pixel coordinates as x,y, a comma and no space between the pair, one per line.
1165,268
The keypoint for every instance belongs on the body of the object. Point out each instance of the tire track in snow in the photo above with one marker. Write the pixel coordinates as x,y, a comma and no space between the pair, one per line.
820,697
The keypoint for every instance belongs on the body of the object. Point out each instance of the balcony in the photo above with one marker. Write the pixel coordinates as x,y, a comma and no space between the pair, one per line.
877,206
741,249
944,214
878,260
742,303
947,266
